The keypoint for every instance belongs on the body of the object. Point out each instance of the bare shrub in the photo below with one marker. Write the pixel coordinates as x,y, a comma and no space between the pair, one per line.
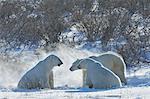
26,23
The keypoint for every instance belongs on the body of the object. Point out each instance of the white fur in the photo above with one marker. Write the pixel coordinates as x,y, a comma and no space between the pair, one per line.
100,76
111,60
114,62
40,76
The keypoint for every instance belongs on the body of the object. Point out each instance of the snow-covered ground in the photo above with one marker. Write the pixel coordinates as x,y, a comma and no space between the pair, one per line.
122,93
68,84
138,88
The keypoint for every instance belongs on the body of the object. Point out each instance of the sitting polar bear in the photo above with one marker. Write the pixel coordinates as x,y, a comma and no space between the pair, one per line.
99,76
40,76
111,60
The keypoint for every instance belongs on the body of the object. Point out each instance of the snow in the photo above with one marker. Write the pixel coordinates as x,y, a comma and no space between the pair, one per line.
122,93
95,47
73,35
32,15
68,85
136,17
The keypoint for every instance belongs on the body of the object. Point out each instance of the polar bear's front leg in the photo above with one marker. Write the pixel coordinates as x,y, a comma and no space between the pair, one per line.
84,74
86,80
51,80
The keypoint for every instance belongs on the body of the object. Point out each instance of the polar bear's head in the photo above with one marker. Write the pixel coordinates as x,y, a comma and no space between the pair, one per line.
84,63
53,60
74,65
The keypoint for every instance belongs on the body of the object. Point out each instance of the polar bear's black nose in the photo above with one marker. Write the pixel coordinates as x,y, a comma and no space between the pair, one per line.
60,63
70,69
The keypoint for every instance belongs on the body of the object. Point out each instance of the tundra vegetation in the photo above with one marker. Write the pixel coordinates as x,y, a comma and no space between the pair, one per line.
123,25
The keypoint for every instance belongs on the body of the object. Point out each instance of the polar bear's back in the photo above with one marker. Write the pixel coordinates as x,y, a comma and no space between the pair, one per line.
111,57
31,79
28,79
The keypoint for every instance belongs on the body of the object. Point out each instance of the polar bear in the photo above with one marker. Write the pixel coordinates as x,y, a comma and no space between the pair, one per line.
100,76
111,60
40,76
114,62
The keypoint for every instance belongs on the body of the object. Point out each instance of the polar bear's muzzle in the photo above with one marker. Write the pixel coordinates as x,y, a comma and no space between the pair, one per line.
60,63
71,69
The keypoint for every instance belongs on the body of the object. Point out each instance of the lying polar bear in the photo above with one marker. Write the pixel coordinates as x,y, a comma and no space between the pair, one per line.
111,60
41,75
99,76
